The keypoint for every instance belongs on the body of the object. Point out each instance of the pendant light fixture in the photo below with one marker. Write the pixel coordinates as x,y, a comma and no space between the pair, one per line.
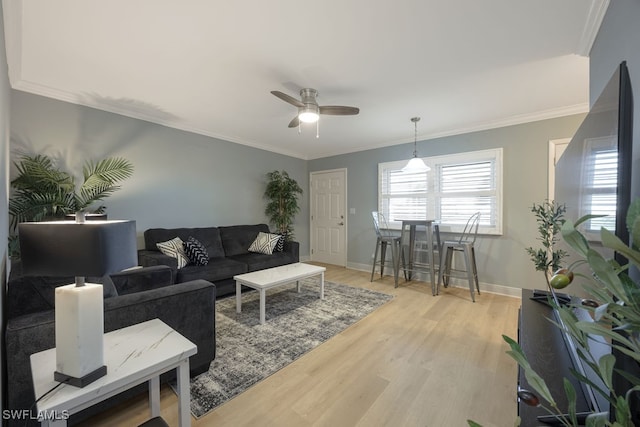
416,164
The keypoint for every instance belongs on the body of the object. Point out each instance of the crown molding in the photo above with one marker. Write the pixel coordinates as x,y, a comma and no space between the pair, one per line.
594,19
149,113
478,127
141,111
12,11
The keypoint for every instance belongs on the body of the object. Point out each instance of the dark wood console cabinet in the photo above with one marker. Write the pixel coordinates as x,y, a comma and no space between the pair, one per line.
545,347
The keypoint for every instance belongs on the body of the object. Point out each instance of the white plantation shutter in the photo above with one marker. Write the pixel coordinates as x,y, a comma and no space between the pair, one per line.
599,198
403,194
465,189
455,187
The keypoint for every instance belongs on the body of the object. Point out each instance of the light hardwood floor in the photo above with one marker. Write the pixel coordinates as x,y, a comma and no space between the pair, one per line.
419,360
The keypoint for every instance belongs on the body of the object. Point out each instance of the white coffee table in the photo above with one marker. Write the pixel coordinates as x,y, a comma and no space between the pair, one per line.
271,277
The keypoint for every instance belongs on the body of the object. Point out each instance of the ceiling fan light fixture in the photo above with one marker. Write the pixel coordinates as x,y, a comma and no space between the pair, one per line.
309,114
308,109
416,164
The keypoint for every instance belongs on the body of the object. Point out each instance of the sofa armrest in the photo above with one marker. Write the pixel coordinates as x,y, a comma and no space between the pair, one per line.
35,332
148,258
293,248
188,307
142,279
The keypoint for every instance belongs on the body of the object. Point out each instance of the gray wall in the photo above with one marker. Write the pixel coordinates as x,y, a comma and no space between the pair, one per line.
175,197
617,41
180,180
4,191
502,261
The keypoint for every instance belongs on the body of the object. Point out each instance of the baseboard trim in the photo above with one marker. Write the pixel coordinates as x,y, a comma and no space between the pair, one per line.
455,282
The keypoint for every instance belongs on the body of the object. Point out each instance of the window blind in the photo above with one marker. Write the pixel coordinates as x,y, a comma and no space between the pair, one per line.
456,187
599,196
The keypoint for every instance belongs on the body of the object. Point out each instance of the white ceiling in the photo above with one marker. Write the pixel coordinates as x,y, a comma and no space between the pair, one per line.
208,66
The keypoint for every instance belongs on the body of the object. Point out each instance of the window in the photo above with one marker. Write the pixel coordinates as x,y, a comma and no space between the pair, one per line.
601,178
456,186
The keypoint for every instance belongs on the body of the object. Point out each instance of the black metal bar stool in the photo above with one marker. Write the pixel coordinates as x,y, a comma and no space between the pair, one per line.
384,239
464,244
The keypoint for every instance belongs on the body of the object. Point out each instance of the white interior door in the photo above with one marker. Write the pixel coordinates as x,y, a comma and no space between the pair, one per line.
328,217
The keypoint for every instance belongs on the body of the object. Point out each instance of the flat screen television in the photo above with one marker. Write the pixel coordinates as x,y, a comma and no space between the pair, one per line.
594,176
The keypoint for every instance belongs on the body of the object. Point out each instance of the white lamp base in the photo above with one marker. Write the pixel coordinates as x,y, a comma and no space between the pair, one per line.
79,334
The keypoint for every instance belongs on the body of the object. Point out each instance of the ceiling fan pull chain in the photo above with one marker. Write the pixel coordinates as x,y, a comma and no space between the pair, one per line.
299,128
318,129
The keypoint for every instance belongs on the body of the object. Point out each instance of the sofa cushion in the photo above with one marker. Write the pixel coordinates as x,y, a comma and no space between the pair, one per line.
216,269
142,279
46,286
175,249
31,294
208,236
236,239
256,261
25,298
264,243
108,287
196,252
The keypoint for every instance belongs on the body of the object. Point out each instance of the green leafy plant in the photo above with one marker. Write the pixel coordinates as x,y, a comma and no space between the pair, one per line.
41,191
282,194
615,310
549,217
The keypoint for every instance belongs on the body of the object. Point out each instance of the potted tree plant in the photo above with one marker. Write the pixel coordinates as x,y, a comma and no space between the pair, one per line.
282,193
549,217
41,191
615,309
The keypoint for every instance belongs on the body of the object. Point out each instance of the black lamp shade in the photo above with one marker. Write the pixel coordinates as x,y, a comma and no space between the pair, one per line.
66,248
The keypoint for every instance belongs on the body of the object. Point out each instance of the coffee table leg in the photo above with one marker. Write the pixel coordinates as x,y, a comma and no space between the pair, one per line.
238,297
263,297
322,285
298,285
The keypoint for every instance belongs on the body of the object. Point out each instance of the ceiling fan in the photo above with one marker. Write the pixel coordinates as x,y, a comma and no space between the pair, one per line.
308,109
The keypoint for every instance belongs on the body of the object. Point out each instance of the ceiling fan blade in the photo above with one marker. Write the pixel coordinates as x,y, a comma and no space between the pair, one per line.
339,110
294,123
286,98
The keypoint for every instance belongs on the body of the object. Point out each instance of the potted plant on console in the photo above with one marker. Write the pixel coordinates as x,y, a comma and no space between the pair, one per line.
614,306
550,218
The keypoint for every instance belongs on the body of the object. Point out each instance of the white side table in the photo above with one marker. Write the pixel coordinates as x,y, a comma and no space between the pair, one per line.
133,355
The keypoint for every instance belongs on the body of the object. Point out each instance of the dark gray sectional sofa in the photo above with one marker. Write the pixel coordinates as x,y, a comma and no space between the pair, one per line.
228,250
134,296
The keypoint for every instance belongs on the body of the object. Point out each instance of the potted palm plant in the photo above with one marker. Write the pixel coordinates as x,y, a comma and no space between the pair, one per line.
41,191
282,194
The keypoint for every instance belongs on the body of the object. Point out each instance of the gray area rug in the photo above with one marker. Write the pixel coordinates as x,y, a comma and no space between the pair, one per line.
247,352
